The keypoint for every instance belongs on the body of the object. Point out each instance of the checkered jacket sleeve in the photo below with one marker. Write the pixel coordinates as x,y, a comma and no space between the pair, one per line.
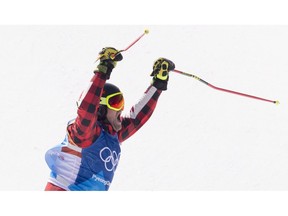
139,113
84,130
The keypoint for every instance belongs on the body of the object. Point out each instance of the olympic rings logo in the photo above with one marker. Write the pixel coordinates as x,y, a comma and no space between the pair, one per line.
111,160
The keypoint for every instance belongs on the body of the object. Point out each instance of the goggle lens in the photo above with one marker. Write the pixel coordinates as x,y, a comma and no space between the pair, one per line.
116,102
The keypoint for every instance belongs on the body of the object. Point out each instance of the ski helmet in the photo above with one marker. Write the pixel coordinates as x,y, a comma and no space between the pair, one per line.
111,98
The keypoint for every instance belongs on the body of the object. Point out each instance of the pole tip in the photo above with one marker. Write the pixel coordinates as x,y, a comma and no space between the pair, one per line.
277,102
146,31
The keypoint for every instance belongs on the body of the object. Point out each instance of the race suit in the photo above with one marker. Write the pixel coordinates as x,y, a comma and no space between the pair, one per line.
90,152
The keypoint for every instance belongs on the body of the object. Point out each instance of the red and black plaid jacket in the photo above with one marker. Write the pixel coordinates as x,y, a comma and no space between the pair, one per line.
85,130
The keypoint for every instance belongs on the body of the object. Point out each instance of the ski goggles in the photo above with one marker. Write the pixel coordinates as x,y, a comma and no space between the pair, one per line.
114,101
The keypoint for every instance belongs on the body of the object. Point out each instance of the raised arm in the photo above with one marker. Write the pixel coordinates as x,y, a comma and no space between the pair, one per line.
84,130
142,111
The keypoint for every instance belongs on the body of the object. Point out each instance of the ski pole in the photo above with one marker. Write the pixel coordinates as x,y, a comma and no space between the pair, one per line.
225,90
123,50
145,32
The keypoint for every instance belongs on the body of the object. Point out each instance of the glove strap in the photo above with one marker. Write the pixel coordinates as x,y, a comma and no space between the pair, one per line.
160,84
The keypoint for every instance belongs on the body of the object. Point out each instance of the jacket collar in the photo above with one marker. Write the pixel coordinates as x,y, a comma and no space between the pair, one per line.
107,127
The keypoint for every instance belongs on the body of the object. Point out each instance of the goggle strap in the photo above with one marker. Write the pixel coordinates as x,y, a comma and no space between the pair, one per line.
103,101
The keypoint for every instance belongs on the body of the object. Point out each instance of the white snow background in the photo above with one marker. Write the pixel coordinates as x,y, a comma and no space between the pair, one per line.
198,139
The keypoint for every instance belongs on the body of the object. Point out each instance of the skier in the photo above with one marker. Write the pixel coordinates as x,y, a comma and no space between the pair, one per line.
88,156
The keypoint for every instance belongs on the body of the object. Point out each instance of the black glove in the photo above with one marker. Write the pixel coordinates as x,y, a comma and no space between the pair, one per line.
109,57
161,68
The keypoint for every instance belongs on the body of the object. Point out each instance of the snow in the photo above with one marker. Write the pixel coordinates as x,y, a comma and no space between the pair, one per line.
198,139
